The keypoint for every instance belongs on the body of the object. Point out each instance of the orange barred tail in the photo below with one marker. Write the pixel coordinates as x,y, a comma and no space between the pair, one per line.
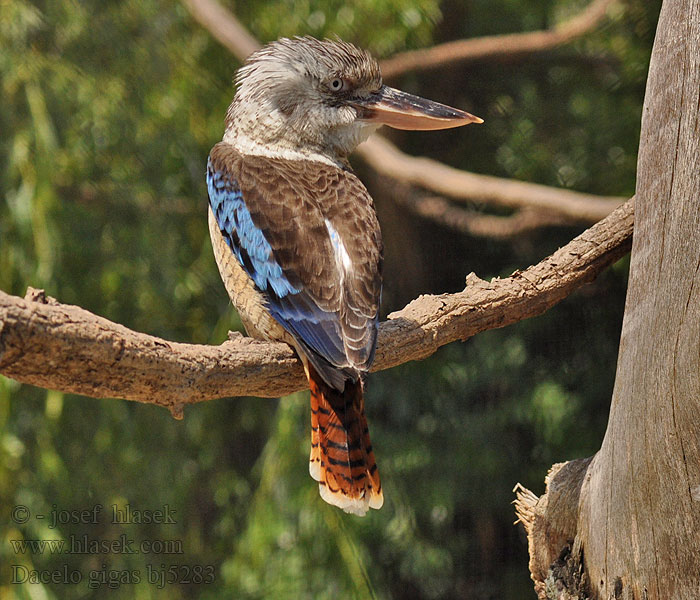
341,459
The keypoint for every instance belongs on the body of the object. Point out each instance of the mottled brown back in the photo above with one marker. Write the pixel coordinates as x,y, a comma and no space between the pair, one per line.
289,202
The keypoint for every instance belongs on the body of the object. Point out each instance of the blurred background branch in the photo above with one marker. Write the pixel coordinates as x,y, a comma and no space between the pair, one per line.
223,26
430,174
472,222
498,47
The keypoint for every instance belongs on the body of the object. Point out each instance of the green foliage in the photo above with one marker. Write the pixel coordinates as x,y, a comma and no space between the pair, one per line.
109,111
384,26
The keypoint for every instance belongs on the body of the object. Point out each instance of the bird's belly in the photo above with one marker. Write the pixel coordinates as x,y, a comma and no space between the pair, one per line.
249,302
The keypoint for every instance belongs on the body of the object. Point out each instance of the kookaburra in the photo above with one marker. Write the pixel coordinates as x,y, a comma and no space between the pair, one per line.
296,237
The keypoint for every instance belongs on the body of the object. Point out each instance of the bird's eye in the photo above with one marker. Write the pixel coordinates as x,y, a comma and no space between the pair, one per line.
337,84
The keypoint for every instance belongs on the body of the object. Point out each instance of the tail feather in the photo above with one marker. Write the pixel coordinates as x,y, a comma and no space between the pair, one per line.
342,459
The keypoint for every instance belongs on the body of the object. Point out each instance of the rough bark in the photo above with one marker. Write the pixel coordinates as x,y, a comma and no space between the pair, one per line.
65,347
631,516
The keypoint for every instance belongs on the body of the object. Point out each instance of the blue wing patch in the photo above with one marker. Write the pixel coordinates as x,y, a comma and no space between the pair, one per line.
247,241
317,330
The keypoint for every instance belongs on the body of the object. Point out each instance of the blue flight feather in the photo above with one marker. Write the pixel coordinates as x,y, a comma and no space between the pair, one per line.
243,237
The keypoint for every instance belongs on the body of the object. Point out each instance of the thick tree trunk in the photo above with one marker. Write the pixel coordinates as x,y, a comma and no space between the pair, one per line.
626,523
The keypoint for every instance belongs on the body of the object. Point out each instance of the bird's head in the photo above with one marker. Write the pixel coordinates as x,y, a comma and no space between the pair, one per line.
323,97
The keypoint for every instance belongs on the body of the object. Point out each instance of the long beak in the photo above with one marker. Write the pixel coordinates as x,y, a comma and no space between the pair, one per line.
401,110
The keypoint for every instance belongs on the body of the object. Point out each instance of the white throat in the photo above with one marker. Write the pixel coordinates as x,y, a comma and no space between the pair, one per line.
247,145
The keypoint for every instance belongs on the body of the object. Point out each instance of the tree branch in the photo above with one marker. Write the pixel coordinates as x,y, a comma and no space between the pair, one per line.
465,220
445,213
497,46
430,174
64,347
223,26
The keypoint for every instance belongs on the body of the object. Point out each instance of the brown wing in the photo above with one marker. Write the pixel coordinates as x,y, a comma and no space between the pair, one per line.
307,234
